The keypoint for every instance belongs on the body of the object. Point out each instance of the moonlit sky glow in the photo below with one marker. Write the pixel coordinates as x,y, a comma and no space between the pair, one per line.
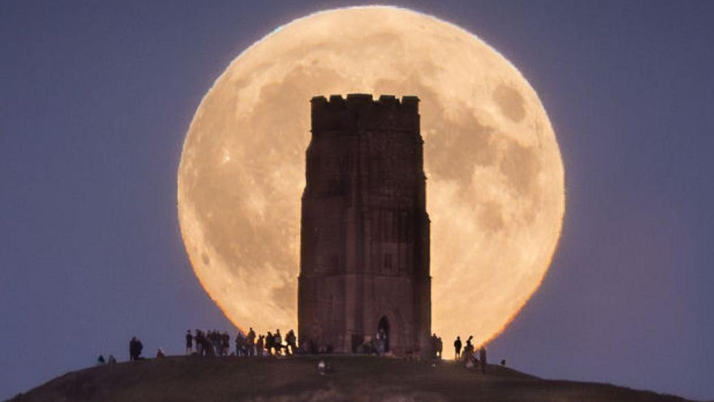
494,172
96,99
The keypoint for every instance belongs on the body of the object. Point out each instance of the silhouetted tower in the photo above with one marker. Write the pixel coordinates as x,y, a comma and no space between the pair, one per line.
364,257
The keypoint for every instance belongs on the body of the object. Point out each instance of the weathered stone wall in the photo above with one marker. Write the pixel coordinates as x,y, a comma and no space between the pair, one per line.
365,230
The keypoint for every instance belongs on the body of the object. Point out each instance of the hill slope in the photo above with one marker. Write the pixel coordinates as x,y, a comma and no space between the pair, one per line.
354,378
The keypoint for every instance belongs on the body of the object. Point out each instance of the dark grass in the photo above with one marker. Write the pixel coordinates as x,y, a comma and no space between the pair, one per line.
354,378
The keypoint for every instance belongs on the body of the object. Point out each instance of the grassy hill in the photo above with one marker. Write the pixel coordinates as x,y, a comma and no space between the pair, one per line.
354,378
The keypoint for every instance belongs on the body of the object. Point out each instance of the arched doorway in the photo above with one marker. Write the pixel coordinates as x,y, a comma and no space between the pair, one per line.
383,330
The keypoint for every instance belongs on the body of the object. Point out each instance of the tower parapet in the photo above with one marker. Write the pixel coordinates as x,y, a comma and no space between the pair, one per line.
337,113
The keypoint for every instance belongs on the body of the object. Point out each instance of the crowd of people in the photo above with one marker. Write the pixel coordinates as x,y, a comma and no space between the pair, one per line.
208,343
217,343
214,343
110,360
470,356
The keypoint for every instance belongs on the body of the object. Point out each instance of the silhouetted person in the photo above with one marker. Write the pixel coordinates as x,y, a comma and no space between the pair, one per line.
135,348
216,342
457,347
112,360
482,359
206,343
260,346
225,343
210,343
100,360
160,354
278,342
199,342
208,347
189,343
503,363
203,344
439,347
469,348
269,340
250,340
240,344
291,340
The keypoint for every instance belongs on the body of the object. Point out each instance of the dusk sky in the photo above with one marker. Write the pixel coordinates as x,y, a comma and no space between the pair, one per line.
96,99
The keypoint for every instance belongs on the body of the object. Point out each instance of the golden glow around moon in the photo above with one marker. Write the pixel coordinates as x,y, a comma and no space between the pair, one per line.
495,177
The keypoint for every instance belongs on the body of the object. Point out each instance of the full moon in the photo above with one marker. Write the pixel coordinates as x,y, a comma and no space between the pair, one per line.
495,179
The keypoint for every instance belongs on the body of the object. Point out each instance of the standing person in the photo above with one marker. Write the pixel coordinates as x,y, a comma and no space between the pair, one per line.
189,343
207,347
135,348
278,342
269,339
251,342
216,342
225,343
209,343
291,339
469,349
439,347
199,342
457,347
240,344
482,358
260,346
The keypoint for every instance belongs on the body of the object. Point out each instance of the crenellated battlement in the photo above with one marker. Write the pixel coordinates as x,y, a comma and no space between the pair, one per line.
364,112
359,100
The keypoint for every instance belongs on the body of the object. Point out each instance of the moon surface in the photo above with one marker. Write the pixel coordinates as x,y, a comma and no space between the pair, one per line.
495,178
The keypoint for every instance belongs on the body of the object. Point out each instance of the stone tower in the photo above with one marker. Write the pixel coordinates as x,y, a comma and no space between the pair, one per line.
364,257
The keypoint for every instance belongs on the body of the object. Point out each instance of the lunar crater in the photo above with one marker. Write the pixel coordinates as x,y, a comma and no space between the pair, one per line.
510,102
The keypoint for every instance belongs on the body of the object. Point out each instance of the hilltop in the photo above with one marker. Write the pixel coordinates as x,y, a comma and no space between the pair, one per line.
354,378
